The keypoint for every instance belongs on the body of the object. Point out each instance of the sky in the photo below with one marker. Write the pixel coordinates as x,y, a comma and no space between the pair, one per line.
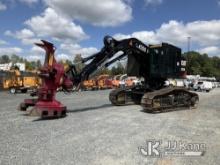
79,26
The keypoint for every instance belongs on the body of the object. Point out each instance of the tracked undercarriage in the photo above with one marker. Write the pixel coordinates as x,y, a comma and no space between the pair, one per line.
125,96
169,98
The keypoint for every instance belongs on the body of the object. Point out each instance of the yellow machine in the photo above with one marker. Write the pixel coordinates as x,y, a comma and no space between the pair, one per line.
15,81
104,82
89,85
115,81
99,82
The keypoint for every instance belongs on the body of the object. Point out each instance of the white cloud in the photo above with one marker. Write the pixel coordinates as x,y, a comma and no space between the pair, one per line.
153,2
2,42
203,34
51,24
174,32
8,33
35,58
10,50
36,50
25,35
218,2
120,36
2,6
96,12
36,53
144,36
211,50
65,51
73,49
63,56
29,2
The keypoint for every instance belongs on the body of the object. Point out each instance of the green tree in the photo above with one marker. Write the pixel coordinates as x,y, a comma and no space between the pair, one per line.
14,58
38,64
69,62
202,64
78,63
118,69
103,71
29,65
4,59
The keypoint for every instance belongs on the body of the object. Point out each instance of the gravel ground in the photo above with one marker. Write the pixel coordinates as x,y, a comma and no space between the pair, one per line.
95,132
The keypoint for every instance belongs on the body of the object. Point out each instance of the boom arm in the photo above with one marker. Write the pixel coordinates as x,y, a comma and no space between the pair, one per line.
111,47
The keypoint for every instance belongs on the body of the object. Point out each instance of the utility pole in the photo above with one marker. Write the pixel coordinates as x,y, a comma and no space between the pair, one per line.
187,54
189,40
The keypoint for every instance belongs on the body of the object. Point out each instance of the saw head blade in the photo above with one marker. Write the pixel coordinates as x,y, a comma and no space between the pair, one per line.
34,112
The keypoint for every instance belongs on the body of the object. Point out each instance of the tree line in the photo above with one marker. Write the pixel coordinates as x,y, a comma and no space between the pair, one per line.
29,65
202,64
34,65
197,64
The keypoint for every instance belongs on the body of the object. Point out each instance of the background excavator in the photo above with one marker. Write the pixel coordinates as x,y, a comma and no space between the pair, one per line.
155,63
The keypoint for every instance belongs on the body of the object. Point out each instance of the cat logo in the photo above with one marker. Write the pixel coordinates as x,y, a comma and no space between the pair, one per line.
141,47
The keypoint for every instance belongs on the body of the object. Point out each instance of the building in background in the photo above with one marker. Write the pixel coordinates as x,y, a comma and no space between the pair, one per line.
7,66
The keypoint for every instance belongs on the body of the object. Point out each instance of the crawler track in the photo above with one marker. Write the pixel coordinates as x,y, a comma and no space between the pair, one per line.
165,99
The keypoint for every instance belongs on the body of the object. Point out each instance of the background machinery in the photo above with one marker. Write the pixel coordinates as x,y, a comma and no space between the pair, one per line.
90,84
97,83
104,82
14,80
155,63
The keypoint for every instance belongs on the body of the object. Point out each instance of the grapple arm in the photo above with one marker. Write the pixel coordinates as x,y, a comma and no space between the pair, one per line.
111,48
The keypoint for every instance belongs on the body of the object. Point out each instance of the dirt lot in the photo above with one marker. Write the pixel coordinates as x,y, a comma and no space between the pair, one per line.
95,132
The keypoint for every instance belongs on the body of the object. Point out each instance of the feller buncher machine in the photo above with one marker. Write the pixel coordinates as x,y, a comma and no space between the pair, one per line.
155,63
